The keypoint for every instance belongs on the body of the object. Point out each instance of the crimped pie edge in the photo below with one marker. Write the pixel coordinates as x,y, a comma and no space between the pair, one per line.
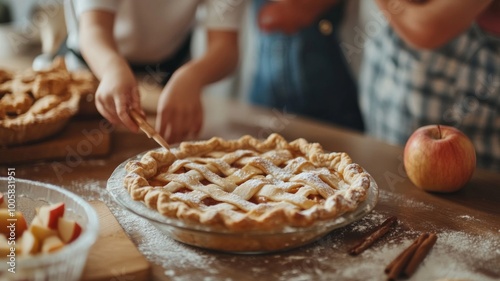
36,127
138,172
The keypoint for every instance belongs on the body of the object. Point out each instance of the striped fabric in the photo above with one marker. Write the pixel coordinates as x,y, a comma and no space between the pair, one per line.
402,88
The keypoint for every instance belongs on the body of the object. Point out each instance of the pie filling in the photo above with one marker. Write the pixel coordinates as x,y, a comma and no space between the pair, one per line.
248,184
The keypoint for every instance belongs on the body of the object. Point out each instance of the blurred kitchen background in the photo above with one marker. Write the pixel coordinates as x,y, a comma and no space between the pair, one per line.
29,28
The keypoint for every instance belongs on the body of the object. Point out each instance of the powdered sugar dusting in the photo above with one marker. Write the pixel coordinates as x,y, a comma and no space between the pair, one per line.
473,251
326,259
402,200
467,218
156,246
367,223
91,190
164,251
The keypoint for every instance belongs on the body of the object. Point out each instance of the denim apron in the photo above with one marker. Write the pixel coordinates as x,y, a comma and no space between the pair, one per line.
306,73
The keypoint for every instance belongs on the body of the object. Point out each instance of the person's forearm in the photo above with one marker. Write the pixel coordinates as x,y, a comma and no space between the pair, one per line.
219,60
97,43
431,23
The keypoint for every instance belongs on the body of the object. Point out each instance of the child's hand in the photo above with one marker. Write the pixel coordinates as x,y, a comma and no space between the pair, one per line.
116,94
180,111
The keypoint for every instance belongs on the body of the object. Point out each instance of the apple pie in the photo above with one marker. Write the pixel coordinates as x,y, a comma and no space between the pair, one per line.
37,104
248,184
85,84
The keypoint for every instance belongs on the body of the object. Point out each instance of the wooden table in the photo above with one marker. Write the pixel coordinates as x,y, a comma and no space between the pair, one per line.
467,222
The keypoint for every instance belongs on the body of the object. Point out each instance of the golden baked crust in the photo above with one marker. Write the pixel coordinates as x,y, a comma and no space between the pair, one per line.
82,82
85,84
35,105
248,184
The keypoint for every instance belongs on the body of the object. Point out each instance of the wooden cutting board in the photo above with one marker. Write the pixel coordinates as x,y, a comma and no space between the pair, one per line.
114,256
80,139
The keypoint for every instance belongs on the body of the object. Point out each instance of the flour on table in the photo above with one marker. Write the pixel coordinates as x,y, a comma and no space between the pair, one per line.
401,200
467,218
91,190
453,255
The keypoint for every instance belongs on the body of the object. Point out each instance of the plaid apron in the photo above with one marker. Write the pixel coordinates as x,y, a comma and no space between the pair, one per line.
402,89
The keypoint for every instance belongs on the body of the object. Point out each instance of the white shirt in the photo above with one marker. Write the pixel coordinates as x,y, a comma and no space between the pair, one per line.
149,31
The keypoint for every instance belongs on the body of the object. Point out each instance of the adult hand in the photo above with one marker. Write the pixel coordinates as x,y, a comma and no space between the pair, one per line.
180,111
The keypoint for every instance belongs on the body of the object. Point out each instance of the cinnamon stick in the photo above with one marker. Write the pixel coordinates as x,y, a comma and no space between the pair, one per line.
419,255
380,231
395,268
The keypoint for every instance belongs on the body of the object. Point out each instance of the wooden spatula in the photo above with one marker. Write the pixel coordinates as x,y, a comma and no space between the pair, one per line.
148,130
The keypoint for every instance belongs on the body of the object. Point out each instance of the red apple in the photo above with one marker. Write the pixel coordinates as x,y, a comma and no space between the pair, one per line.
40,231
3,203
15,219
29,244
439,158
49,215
52,244
68,230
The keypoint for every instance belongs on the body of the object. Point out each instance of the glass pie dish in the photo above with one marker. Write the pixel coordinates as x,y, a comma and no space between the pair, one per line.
242,242
66,264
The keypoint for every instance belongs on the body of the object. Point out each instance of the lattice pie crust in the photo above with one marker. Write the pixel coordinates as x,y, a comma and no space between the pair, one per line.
248,184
